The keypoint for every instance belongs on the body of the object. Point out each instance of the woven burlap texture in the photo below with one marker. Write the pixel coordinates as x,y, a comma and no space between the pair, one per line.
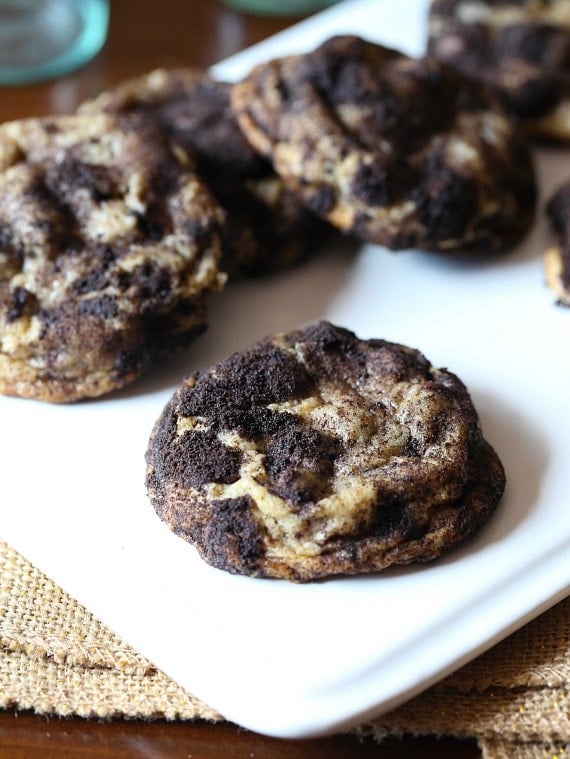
56,658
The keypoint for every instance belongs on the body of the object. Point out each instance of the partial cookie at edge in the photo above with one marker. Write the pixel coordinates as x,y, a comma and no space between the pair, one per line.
557,257
521,50
110,244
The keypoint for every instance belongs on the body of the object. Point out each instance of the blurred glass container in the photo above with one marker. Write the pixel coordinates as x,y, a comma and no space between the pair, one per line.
279,7
43,39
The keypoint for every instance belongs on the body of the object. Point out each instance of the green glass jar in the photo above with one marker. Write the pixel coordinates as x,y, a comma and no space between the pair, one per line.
279,7
43,39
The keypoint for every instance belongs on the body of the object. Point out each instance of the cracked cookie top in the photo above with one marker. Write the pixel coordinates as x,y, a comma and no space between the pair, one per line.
399,151
520,48
109,243
266,227
316,453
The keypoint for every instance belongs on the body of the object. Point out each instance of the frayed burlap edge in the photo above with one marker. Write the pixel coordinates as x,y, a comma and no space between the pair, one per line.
46,687
56,658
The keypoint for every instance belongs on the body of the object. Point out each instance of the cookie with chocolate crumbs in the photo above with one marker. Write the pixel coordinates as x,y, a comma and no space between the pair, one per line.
520,48
109,244
315,453
266,227
398,151
557,257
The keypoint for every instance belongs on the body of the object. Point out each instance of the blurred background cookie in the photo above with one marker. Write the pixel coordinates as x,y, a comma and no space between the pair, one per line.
398,151
315,453
266,227
557,257
521,49
109,245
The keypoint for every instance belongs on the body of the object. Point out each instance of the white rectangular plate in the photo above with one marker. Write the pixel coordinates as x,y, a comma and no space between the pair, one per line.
291,660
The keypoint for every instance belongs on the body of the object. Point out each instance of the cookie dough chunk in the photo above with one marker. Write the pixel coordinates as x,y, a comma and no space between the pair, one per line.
267,228
108,246
557,257
402,152
315,453
521,48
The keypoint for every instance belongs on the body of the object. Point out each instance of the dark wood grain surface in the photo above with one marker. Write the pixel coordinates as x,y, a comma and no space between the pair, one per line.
143,35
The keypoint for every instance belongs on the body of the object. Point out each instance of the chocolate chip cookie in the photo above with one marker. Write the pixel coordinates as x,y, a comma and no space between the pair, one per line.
315,453
398,151
109,245
557,257
266,227
521,48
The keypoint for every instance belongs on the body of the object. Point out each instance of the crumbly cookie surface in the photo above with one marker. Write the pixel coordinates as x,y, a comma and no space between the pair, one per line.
521,48
557,257
109,244
399,151
315,453
266,227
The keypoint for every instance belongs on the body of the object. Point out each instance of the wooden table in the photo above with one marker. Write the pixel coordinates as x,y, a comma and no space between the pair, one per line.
145,34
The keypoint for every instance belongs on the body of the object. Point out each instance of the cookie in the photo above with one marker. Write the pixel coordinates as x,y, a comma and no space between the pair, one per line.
315,453
557,257
521,48
109,245
397,151
266,227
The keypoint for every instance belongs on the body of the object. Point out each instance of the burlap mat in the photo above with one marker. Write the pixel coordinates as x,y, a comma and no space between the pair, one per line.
55,658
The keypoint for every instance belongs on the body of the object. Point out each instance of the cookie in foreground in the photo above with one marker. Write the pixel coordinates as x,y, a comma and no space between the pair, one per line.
398,151
315,453
109,245
520,49
557,257
266,228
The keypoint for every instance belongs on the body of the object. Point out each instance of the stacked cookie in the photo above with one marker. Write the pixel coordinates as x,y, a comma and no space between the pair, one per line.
119,220
116,224
265,227
521,50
